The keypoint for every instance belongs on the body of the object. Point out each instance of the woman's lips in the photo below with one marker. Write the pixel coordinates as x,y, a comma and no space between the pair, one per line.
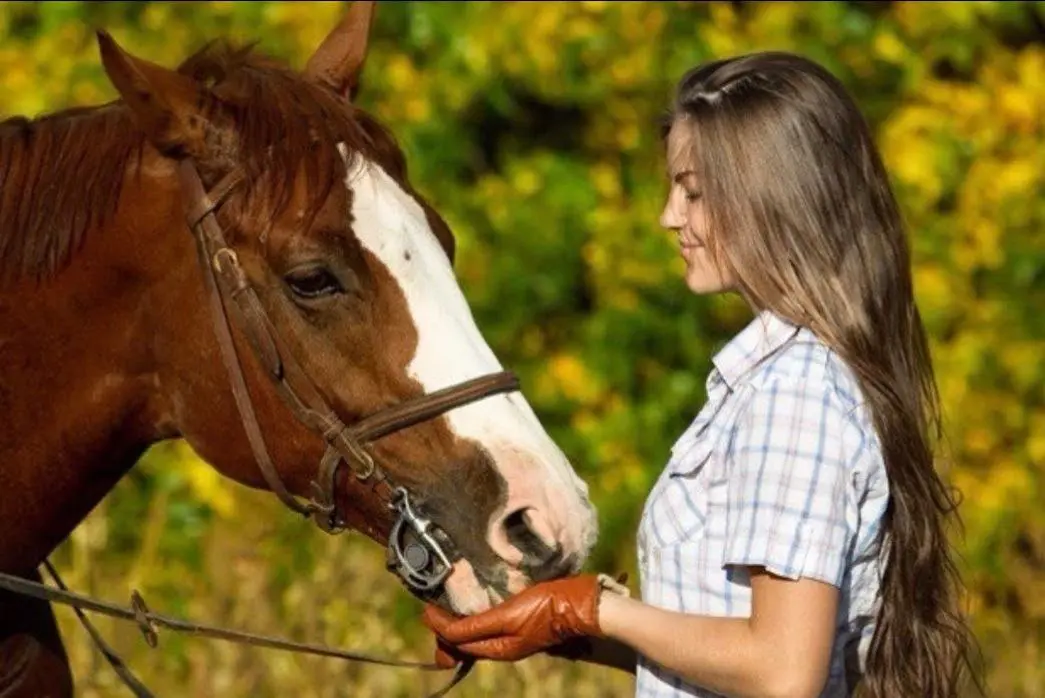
687,242
685,246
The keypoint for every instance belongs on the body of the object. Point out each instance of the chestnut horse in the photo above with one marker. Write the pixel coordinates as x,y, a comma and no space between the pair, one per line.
108,342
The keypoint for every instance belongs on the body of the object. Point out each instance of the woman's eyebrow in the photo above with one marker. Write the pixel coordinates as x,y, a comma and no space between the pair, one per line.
679,176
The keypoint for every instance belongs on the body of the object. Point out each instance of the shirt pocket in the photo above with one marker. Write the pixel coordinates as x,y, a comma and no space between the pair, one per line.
677,507
702,457
688,504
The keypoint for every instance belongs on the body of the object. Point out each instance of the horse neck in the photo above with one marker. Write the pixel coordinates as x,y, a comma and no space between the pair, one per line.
78,388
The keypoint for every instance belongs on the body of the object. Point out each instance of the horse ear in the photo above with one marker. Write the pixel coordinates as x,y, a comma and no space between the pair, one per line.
338,62
167,105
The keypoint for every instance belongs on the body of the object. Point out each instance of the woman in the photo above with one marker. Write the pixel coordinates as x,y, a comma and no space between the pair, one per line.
795,544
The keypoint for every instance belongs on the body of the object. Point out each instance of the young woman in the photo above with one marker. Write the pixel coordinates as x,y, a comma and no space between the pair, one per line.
795,544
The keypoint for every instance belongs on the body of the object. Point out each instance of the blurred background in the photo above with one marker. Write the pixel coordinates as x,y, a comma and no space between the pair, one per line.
533,128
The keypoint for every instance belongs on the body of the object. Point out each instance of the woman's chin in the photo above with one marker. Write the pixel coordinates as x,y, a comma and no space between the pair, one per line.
702,282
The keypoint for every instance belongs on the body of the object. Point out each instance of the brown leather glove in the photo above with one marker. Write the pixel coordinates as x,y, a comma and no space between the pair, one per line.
543,616
447,656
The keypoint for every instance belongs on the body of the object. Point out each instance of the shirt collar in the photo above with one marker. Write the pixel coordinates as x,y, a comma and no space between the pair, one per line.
766,333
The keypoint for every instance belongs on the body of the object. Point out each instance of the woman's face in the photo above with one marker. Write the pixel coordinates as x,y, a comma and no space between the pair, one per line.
684,213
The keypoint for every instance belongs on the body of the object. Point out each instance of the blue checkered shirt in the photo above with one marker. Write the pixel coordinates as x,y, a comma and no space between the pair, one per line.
780,469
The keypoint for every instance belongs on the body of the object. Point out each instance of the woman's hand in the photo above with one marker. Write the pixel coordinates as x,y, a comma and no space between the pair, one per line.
535,620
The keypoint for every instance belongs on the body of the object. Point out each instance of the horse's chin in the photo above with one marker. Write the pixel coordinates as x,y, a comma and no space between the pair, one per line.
466,595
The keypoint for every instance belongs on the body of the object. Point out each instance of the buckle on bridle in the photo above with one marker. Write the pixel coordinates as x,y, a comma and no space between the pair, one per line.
414,553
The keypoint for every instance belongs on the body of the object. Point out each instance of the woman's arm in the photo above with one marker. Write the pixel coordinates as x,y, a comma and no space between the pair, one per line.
785,511
783,650
602,651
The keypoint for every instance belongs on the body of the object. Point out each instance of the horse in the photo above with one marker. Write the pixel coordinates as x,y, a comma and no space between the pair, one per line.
237,186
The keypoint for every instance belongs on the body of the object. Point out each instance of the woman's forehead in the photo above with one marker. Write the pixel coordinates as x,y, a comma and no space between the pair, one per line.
680,155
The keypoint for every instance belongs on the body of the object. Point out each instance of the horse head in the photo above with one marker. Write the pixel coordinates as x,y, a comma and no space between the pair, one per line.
353,300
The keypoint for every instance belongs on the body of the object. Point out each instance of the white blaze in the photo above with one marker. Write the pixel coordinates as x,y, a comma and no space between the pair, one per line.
391,224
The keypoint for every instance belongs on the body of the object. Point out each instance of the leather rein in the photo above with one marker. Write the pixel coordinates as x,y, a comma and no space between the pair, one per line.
418,551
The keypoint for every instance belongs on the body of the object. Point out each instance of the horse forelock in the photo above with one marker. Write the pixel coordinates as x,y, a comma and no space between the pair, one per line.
62,174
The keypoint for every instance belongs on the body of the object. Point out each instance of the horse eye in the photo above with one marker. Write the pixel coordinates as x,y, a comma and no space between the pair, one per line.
313,282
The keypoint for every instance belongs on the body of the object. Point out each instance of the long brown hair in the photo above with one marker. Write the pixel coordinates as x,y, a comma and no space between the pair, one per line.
801,212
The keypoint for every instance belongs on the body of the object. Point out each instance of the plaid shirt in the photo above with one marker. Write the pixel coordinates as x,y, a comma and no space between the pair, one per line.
780,469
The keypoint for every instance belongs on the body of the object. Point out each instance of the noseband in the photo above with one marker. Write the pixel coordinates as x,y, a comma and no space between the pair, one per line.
417,551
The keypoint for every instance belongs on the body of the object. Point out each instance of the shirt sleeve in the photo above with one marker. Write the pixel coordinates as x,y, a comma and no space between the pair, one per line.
786,491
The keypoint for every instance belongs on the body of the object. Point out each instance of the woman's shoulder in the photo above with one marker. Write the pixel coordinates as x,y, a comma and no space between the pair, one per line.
808,366
806,384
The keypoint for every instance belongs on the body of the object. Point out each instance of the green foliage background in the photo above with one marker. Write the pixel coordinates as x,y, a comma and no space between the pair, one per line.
533,128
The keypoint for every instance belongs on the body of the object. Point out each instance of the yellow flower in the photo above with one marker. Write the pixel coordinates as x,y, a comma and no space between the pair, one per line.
983,248
476,57
1019,107
1023,360
1030,67
400,73
155,16
204,481
933,287
606,178
619,467
1019,177
526,181
573,379
580,27
596,256
888,47
594,6
1036,441
909,150
417,108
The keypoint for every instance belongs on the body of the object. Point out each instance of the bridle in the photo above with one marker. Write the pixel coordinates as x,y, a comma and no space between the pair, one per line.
417,551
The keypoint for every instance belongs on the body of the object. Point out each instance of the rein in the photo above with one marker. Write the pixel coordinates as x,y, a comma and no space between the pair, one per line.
148,622
418,551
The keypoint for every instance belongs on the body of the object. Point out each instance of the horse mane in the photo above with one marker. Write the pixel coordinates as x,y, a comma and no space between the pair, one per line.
62,174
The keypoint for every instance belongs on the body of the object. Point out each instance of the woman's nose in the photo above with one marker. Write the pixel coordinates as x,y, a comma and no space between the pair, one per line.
669,217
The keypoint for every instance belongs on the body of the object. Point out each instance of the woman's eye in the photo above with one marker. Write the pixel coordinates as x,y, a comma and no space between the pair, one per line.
692,196
314,282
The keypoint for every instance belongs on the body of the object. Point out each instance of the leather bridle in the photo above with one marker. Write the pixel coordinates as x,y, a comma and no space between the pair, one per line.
417,550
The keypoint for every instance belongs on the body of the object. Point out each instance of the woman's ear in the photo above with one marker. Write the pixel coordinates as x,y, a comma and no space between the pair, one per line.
172,109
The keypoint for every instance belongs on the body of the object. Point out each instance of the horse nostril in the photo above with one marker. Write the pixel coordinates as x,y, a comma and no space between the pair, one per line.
520,535
552,568
540,557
